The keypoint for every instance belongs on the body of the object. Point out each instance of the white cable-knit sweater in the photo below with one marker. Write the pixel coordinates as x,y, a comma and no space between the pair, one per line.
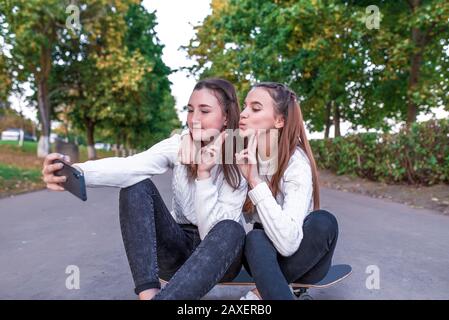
200,202
283,217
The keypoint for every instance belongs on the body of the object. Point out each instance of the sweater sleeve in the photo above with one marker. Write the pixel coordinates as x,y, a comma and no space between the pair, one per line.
124,172
214,204
283,224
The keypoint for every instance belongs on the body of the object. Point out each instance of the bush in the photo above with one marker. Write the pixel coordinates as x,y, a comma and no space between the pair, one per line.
419,155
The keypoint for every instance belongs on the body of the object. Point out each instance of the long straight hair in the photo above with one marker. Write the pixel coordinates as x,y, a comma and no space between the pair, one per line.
226,95
292,135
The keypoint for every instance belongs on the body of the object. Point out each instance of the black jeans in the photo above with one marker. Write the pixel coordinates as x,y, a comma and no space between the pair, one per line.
158,247
309,264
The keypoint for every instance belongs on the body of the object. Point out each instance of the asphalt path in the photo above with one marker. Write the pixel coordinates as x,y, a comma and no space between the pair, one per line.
396,252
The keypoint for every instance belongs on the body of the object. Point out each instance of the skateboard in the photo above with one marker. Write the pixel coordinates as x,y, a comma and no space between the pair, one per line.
335,274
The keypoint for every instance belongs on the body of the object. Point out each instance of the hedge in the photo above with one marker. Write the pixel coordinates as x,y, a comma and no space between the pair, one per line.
418,155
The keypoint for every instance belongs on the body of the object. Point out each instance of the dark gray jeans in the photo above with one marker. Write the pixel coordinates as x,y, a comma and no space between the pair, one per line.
158,247
309,264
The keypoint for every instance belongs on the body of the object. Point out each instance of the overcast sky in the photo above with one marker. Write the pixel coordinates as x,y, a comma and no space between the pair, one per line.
176,19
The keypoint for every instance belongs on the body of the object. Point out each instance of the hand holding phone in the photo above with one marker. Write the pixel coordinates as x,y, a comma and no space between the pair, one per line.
74,183
59,175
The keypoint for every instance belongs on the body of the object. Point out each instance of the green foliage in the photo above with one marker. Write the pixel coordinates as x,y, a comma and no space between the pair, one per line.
419,155
325,52
5,80
106,79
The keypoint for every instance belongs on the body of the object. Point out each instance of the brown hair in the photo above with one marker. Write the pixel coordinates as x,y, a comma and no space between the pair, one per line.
226,95
293,134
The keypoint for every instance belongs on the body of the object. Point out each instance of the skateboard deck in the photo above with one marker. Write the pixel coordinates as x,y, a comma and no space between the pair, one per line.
335,274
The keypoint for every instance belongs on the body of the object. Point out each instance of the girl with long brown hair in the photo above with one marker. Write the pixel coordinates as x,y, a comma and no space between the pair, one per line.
293,240
200,241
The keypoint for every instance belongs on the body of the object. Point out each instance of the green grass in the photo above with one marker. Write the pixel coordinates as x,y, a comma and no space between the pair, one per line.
13,173
28,146
14,180
31,147
20,169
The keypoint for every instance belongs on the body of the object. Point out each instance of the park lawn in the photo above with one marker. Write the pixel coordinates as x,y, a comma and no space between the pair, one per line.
20,169
20,157
14,180
28,146
29,149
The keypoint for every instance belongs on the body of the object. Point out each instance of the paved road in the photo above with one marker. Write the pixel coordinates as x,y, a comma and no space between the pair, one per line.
41,233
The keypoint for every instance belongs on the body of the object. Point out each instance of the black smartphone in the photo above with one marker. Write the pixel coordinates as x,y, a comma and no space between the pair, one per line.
75,183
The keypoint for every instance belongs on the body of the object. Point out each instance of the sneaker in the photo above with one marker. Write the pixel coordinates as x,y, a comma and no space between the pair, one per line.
250,296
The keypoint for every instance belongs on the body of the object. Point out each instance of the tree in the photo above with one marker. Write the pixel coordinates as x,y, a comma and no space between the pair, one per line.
95,70
340,69
218,50
5,82
32,34
411,52
115,81
303,44
96,75
158,114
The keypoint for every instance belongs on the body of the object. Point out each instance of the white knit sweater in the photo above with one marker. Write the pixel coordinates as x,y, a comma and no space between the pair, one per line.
200,202
283,217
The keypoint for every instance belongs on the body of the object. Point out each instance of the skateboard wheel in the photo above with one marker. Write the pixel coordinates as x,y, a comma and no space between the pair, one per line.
305,296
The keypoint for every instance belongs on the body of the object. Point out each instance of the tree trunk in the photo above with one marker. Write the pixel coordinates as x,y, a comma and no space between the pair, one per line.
43,147
90,126
66,129
336,120
117,145
128,146
327,120
418,39
415,68
123,146
43,102
22,126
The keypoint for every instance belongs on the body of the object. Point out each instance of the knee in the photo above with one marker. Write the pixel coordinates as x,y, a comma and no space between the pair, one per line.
231,228
136,190
135,196
258,247
254,238
323,223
